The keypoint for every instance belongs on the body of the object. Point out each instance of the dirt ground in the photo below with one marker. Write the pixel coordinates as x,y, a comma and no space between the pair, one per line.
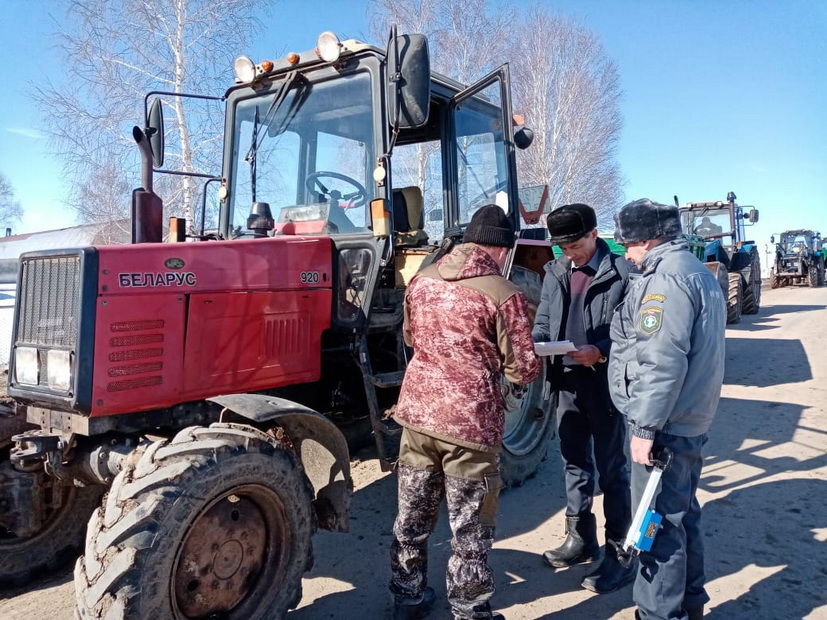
764,489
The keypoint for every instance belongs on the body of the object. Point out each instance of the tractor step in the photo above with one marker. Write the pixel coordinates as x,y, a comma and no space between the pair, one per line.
388,379
390,427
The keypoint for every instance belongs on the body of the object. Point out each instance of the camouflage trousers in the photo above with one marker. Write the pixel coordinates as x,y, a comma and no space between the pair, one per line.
428,472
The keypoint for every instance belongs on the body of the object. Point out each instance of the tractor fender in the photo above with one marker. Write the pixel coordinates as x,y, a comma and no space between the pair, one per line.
319,445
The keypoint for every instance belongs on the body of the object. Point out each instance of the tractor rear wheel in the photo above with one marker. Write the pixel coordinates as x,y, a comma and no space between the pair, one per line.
735,298
216,522
751,283
529,429
62,515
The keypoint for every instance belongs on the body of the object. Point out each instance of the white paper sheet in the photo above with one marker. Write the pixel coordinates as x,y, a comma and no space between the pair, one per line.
558,347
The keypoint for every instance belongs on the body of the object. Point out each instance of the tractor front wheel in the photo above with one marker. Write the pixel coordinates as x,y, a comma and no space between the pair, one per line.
812,277
215,523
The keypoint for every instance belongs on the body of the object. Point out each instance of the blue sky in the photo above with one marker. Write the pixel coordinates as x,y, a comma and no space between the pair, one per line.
717,96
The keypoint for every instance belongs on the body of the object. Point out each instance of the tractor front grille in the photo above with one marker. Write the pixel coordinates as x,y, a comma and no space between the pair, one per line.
49,310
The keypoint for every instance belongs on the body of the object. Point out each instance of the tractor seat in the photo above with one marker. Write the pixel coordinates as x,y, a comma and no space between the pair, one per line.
408,218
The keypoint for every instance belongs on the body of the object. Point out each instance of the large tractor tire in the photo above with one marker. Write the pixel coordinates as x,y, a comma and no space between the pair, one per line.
751,283
775,280
735,298
529,429
812,277
215,523
529,414
64,511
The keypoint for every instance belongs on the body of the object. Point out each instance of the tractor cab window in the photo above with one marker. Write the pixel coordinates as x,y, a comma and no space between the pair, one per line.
306,149
481,156
796,244
709,224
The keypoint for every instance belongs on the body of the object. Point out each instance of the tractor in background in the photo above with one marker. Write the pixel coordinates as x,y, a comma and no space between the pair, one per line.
720,227
799,259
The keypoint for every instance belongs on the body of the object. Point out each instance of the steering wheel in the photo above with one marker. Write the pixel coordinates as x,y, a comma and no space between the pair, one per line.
355,199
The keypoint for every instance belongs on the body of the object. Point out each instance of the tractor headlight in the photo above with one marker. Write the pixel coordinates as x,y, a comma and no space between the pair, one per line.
26,367
328,46
245,70
59,370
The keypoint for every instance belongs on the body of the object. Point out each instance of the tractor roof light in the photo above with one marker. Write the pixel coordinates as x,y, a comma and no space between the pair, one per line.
245,69
328,46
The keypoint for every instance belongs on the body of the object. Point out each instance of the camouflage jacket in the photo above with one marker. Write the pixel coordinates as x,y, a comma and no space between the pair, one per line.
468,327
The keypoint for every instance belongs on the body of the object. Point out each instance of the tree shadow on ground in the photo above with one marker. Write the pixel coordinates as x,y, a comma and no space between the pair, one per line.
789,536
763,362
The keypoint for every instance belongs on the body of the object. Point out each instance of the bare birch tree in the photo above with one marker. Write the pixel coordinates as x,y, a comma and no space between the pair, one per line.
562,81
10,209
569,90
113,54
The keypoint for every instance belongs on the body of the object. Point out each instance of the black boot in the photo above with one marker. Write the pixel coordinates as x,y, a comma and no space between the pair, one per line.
479,612
580,544
611,574
695,613
415,611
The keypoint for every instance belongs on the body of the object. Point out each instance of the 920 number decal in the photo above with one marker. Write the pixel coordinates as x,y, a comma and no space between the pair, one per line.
309,277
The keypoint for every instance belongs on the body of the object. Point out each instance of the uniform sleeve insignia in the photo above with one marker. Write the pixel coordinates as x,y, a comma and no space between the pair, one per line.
654,297
651,320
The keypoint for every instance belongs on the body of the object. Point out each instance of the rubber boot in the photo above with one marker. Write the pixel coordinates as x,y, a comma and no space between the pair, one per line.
415,611
580,544
695,613
480,612
611,574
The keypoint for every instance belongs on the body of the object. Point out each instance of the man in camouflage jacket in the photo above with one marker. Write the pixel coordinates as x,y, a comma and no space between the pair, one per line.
468,327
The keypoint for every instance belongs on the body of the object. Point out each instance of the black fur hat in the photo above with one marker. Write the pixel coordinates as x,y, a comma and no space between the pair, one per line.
490,226
643,220
568,223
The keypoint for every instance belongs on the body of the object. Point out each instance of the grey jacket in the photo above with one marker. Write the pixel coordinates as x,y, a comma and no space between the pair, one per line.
604,294
667,360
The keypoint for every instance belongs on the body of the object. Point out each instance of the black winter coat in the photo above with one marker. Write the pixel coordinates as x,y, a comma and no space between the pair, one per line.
605,293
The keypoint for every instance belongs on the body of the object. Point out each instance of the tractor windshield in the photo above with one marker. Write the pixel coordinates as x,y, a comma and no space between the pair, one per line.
307,150
708,223
795,244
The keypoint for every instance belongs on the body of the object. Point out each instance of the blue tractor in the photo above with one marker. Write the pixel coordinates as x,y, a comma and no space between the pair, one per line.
734,260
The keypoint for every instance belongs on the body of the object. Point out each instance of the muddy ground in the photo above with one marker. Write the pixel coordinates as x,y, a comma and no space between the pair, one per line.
764,492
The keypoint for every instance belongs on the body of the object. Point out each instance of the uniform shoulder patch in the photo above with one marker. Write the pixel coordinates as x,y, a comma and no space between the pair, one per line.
651,320
654,297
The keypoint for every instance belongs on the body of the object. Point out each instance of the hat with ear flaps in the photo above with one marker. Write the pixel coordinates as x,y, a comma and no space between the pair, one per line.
643,220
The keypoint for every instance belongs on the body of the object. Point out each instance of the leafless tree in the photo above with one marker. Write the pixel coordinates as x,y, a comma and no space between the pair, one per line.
114,53
569,90
10,209
562,81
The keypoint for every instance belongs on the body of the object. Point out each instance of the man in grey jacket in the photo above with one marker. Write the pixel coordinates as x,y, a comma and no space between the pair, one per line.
665,373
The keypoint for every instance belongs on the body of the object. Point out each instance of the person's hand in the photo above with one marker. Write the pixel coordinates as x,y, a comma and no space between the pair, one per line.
587,355
641,450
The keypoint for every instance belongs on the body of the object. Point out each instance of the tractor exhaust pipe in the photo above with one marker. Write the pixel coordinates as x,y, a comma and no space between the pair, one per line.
147,207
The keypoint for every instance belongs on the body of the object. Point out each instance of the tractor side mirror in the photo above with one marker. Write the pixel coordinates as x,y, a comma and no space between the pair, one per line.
753,215
409,80
523,138
155,132
772,238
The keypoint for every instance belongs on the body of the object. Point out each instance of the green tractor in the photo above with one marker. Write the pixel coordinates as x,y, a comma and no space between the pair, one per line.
717,232
799,259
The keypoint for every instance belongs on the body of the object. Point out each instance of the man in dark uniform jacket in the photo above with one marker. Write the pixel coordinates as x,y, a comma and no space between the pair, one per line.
580,292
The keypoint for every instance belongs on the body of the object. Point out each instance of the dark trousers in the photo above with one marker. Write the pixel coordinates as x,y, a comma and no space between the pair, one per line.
670,577
592,436
430,470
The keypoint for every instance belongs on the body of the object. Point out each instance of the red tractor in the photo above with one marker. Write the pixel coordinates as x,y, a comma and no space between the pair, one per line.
215,388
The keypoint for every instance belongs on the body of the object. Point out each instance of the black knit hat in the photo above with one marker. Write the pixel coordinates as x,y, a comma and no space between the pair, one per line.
643,220
490,226
569,223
